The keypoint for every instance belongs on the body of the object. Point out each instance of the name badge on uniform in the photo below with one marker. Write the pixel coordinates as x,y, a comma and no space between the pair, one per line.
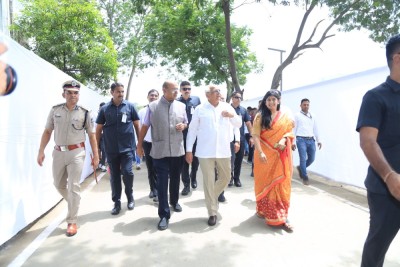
124,117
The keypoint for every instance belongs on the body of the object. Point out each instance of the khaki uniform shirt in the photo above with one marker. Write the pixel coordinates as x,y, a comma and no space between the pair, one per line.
69,126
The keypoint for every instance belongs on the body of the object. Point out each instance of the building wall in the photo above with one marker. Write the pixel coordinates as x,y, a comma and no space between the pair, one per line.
335,104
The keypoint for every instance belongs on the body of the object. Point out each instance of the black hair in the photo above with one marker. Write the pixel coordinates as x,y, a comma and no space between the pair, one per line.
115,85
152,91
183,83
102,104
304,100
234,93
392,48
265,112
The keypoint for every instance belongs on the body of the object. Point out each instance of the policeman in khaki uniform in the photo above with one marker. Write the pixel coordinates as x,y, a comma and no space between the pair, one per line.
69,122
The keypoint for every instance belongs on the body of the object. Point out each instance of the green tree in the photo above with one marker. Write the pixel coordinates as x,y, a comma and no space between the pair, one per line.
226,7
71,35
188,37
126,28
372,15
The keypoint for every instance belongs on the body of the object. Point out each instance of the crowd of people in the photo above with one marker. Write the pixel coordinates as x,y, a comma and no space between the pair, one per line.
178,134
175,135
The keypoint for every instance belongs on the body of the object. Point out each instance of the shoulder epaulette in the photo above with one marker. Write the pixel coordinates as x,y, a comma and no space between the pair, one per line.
59,105
84,108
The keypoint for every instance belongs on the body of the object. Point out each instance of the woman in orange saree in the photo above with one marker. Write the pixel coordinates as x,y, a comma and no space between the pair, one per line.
273,168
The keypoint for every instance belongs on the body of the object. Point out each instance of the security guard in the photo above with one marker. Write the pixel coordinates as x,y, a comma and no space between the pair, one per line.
116,120
69,122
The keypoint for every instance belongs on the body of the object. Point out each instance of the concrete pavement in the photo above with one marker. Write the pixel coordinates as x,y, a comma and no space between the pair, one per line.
330,220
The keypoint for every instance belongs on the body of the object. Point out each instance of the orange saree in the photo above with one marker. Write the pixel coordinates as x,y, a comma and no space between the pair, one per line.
273,178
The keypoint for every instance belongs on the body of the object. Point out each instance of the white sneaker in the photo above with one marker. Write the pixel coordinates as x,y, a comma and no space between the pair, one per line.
138,166
103,168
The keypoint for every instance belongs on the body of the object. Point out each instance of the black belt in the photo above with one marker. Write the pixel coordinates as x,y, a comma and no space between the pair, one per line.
306,137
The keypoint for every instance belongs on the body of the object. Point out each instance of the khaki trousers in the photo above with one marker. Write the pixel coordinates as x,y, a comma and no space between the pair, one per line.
212,188
67,171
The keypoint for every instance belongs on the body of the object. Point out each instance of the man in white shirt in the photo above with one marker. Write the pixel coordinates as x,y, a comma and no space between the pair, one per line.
306,133
152,95
211,124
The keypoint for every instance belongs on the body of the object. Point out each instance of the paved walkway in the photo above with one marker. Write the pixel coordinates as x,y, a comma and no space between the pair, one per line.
331,224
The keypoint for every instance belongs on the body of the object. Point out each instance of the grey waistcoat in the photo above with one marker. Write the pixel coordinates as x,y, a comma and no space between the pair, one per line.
166,140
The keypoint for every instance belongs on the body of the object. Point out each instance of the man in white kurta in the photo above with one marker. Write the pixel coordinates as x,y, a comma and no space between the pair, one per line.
212,125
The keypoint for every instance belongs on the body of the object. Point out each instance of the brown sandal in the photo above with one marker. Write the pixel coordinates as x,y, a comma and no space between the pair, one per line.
287,227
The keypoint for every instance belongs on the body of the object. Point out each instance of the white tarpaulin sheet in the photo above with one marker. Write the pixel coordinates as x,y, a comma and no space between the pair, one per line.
26,189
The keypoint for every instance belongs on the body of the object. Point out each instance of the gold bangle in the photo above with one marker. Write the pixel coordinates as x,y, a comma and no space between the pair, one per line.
387,176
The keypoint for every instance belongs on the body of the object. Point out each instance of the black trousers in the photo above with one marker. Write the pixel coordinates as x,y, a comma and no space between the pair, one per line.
185,169
238,162
383,227
151,173
251,148
169,167
121,164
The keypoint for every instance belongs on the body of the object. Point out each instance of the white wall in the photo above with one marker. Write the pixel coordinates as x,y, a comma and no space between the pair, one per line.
26,189
335,104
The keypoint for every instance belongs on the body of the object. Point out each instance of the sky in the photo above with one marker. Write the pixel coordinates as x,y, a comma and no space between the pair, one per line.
276,27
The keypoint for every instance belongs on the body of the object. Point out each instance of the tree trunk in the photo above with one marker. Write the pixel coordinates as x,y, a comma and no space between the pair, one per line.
232,63
128,89
277,79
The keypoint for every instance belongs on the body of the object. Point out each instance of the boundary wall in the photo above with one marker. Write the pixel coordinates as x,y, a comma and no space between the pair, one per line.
335,105
26,189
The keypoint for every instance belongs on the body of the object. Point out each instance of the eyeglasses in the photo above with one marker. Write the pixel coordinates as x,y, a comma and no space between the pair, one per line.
237,97
153,95
186,88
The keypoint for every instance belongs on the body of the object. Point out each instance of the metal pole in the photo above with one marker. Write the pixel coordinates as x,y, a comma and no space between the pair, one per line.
281,52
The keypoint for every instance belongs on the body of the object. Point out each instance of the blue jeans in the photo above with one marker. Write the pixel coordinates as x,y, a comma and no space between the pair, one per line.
137,158
306,147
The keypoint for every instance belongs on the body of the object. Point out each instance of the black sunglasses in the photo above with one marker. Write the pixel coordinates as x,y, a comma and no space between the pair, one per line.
186,88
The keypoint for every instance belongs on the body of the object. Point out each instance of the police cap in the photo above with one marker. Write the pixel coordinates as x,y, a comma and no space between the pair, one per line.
71,85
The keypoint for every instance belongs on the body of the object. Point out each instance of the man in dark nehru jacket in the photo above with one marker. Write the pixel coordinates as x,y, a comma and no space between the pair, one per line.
167,119
116,120
69,122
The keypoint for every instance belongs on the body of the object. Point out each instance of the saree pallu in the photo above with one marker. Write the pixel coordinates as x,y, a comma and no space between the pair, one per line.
273,178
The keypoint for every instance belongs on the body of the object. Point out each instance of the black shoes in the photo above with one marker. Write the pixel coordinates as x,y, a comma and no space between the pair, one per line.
221,197
194,184
116,209
177,207
212,220
163,224
153,193
238,183
230,182
185,190
131,205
